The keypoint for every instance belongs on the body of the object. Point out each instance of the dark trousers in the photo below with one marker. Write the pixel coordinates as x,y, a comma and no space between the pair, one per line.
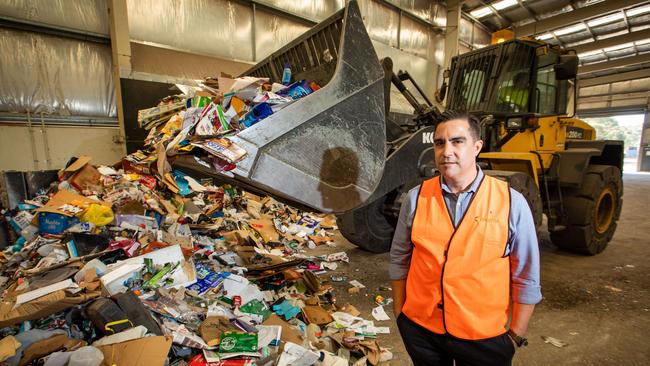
431,349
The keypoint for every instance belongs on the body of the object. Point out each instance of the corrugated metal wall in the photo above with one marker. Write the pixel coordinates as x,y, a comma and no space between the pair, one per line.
72,77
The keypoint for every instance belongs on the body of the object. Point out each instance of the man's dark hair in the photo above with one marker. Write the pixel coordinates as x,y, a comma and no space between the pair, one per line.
473,121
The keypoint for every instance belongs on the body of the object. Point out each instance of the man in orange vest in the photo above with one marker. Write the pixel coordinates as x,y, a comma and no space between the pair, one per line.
464,257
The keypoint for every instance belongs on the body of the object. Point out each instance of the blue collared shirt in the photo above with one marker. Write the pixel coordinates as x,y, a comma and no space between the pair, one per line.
522,239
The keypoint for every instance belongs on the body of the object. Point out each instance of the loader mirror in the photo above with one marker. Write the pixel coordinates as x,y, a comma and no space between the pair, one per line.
567,67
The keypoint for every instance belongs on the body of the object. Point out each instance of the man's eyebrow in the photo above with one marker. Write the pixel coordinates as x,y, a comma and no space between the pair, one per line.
458,138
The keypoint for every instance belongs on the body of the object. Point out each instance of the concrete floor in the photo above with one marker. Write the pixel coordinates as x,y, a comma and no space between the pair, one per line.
599,305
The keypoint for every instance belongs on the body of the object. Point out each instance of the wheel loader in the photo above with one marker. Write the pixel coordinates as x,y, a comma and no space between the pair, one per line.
340,150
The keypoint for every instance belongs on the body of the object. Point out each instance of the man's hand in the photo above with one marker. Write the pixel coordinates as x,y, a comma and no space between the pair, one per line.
399,296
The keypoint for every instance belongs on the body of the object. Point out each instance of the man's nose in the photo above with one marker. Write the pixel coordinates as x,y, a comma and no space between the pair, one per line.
447,150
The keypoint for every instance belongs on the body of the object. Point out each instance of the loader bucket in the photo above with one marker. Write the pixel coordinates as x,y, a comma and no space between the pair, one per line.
327,150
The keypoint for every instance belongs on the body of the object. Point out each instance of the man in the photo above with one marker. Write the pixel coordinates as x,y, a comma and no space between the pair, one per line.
515,96
464,247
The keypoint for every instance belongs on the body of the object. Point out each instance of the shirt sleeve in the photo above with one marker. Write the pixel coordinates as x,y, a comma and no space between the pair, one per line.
402,247
524,252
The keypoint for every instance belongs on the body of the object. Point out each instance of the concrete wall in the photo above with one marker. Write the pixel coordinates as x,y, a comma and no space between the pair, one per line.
18,153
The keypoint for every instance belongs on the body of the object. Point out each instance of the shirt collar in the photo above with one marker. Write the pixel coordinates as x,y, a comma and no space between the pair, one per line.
472,188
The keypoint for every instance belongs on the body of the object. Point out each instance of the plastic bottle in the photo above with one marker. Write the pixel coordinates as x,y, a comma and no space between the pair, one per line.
286,74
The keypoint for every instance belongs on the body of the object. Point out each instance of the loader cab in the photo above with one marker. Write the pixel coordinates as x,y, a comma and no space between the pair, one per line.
516,82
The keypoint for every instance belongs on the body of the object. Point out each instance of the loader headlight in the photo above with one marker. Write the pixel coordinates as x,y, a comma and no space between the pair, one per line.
515,123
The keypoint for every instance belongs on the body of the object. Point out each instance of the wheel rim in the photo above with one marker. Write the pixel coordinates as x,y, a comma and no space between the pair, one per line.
605,208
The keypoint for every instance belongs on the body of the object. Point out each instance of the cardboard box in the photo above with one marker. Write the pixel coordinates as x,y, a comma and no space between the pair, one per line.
150,351
83,174
147,167
54,223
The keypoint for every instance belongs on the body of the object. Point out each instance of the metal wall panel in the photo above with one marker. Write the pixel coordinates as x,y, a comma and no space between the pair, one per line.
481,37
54,75
428,10
465,31
83,15
314,10
212,27
381,22
273,31
593,90
631,86
423,71
415,38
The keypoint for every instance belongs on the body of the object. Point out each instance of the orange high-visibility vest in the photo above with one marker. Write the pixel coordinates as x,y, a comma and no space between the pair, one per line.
459,278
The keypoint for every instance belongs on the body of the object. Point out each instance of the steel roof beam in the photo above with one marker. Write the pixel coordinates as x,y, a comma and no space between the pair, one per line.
575,16
619,62
613,41
608,79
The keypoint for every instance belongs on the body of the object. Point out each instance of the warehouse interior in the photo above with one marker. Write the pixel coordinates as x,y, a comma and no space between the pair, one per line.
76,76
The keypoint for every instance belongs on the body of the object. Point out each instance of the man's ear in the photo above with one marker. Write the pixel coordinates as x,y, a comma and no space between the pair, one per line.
478,145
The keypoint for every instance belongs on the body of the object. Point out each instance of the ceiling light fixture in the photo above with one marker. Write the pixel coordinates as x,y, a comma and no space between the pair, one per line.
618,47
545,36
606,19
638,11
481,12
571,29
500,5
590,53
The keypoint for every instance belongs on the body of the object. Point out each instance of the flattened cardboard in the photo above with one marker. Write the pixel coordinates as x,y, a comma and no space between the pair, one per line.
44,347
150,351
41,307
63,197
213,326
236,237
350,309
289,333
264,226
315,314
183,241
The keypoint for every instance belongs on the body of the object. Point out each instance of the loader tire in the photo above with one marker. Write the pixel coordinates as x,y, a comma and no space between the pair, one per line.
592,211
368,227
524,184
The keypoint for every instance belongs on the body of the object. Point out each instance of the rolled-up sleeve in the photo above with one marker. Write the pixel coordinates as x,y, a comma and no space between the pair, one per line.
524,252
402,247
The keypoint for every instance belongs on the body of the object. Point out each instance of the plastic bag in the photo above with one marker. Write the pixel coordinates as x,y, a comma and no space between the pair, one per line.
99,215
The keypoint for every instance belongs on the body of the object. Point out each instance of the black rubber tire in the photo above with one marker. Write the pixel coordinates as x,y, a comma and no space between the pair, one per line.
584,234
368,227
524,184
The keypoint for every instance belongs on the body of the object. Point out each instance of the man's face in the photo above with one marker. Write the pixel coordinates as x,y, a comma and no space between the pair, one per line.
455,149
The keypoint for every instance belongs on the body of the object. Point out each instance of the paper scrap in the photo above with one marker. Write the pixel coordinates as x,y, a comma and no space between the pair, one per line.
379,314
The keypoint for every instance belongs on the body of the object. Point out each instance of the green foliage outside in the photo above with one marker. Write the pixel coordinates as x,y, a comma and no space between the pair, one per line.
607,128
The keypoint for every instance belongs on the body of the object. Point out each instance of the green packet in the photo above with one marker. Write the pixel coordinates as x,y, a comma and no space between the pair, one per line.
233,342
256,307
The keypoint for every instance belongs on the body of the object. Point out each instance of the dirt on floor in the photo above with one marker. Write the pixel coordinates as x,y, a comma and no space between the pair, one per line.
599,305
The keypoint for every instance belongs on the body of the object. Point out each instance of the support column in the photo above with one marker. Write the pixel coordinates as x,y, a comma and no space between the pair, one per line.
121,55
643,161
452,31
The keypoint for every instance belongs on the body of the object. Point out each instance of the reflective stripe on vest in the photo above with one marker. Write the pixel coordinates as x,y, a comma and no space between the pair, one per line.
467,263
